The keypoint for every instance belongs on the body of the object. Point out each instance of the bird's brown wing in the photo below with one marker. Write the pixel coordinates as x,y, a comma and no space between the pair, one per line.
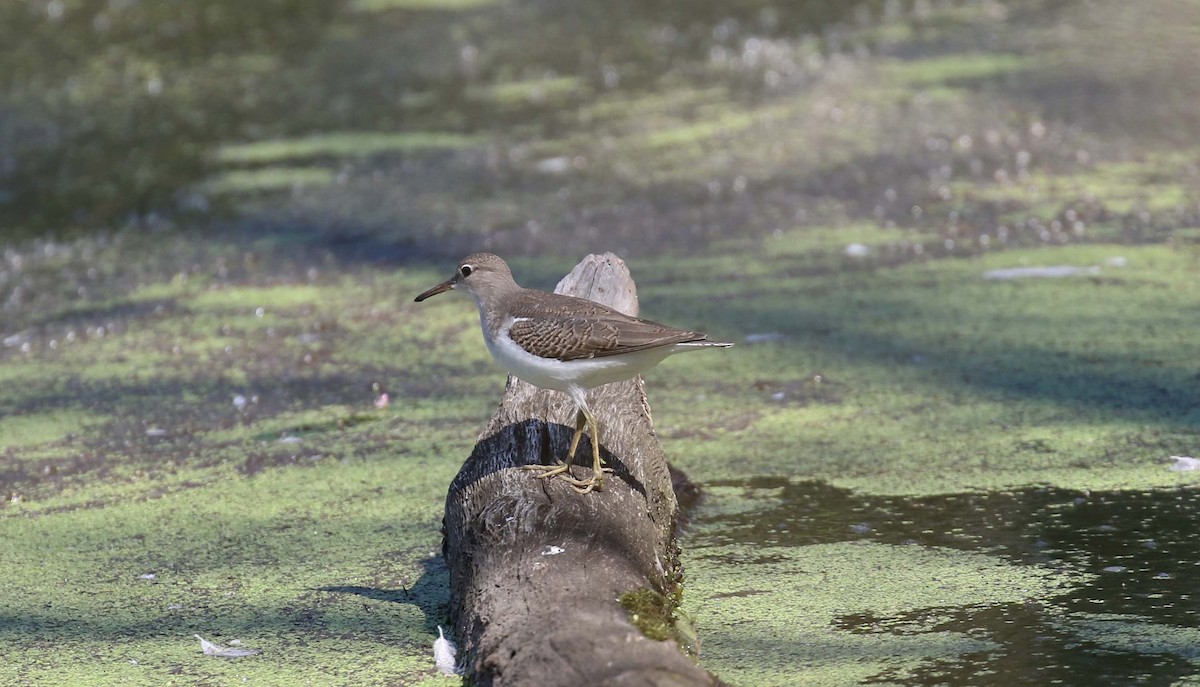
567,328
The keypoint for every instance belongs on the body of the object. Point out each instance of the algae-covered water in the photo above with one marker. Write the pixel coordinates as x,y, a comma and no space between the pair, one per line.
957,244
1071,587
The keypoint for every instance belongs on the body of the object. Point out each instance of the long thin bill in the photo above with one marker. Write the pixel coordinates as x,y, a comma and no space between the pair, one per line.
444,286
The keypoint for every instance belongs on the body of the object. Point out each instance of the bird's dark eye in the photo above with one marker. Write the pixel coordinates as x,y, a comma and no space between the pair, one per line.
466,270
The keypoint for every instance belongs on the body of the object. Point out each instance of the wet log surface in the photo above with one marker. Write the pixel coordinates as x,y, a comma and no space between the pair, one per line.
536,570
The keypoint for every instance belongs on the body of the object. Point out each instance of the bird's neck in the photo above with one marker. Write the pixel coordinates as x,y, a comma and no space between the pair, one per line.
490,302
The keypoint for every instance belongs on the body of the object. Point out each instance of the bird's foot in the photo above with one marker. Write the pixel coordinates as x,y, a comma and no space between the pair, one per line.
548,471
562,471
585,486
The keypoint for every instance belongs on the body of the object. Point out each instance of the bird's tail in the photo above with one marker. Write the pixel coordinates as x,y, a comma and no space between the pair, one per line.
704,343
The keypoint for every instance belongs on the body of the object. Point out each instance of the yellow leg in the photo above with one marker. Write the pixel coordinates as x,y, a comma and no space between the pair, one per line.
580,421
582,418
597,464
562,468
596,483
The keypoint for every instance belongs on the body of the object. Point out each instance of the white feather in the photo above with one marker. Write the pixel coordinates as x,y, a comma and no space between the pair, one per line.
444,654
211,649
1184,464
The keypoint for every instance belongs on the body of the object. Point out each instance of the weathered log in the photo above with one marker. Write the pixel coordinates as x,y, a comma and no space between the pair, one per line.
537,571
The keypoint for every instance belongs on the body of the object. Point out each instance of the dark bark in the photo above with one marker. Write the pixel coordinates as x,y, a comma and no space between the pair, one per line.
536,570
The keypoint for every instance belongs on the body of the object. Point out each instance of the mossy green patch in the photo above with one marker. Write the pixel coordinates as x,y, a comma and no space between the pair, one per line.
268,179
235,559
933,71
341,144
650,612
31,429
250,299
1160,183
384,5
1002,383
764,614
692,134
659,617
619,107
528,91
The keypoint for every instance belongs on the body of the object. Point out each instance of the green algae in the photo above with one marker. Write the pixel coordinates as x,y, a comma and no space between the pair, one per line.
533,90
925,362
250,299
167,390
693,134
763,614
304,520
650,612
1160,183
837,395
20,431
340,144
386,5
267,179
661,617
235,558
954,69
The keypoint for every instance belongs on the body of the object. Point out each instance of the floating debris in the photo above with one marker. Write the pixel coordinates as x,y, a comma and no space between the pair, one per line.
239,402
15,340
156,432
552,550
554,165
444,654
148,576
763,337
1052,272
211,649
858,250
1184,464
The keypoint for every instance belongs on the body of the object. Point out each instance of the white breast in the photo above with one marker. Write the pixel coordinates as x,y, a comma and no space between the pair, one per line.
562,375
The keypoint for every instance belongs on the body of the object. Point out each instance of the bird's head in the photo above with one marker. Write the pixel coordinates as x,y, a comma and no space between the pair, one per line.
478,273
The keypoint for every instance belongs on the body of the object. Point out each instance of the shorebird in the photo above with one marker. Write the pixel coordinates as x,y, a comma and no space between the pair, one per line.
564,343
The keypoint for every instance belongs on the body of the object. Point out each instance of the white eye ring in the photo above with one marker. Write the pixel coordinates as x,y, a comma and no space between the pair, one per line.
466,270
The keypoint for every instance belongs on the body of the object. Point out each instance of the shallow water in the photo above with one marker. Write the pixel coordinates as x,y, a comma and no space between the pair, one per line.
1138,554
369,134
80,81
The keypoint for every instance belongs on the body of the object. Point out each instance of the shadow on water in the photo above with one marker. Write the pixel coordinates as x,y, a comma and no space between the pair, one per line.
1142,548
61,622
430,593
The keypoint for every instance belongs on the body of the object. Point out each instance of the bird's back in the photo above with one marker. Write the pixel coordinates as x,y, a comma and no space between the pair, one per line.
569,328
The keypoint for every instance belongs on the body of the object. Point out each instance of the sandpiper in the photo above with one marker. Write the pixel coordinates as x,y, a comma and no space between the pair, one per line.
564,343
